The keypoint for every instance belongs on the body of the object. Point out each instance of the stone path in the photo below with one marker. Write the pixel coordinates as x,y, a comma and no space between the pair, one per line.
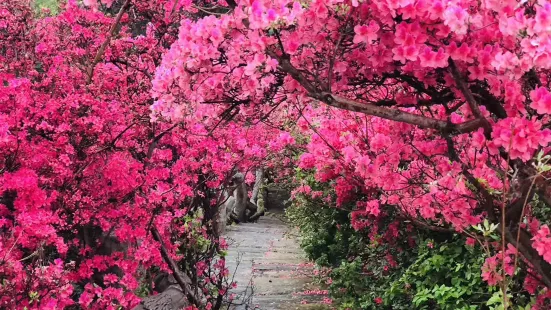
270,269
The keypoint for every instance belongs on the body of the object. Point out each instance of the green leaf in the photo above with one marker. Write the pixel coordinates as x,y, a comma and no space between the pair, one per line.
486,224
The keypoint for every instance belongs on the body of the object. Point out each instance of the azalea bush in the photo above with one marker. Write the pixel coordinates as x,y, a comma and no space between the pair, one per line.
398,269
358,266
438,110
92,190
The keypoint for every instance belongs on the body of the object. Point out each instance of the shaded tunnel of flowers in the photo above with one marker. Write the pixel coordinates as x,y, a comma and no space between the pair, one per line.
414,137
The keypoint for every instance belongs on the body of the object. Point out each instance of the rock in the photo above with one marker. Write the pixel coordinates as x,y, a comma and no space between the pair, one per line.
171,299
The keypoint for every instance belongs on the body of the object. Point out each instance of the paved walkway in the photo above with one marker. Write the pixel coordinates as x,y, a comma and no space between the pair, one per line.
270,269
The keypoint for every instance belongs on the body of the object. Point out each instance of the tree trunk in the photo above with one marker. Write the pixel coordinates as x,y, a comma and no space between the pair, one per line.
257,184
221,216
260,203
240,196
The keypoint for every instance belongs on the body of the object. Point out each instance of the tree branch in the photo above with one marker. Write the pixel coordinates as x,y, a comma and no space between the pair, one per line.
469,97
527,250
183,280
259,181
397,115
337,47
488,100
373,110
426,226
101,50
419,103
156,140
464,89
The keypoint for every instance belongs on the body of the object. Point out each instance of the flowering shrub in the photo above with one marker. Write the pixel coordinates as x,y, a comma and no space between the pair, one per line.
396,269
87,179
431,109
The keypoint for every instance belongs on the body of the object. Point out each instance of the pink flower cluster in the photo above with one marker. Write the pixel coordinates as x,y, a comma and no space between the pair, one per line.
520,137
542,242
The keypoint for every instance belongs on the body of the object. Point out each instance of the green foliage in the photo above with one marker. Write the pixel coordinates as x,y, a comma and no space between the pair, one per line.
321,238
51,5
194,240
326,235
354,288
314,307
541,210
329,239
444,277
143,289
